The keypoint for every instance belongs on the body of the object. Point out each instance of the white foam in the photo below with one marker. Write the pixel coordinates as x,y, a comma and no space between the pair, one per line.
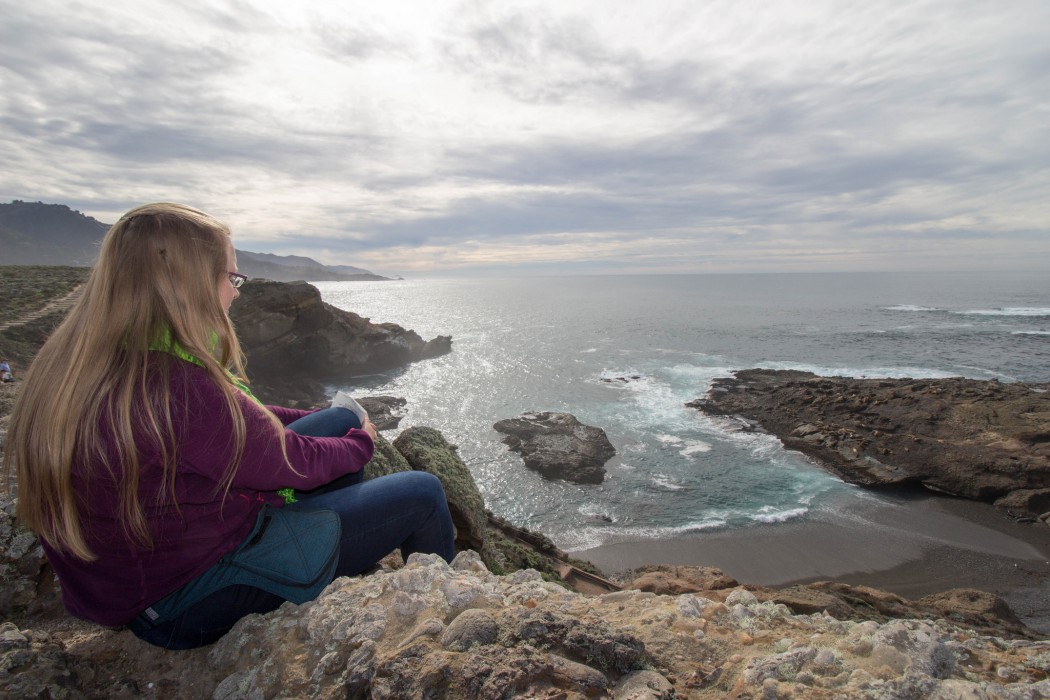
769,514
589,350
669,439
1030,333
694,447
911,307
1008,311
594,536
665,482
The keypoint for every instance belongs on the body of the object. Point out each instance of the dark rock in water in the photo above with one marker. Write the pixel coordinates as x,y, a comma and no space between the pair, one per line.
558,446
382,410
622,379
293,341
982,440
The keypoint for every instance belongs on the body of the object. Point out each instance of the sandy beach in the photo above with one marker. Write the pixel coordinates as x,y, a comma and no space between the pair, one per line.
912,545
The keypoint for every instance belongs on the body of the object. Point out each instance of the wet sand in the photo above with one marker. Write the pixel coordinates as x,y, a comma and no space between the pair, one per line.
911,545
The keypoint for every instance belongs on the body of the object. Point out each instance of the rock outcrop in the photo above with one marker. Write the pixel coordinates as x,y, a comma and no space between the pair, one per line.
982,440
558,446
978,610
383,411
426,449
294,341
432,629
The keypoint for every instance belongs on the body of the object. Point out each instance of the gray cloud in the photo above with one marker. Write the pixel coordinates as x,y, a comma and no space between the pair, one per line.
872,125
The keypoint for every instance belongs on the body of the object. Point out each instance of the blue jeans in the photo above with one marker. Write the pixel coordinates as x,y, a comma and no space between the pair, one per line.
406,510
328,422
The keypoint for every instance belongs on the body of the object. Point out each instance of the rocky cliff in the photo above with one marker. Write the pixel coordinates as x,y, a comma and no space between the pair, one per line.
434,630
499,623
982,440
429,629
295,342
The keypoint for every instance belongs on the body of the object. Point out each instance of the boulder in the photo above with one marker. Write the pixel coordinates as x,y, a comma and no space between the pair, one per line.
426,449
558,446
383,411
674,580
431,629
982,440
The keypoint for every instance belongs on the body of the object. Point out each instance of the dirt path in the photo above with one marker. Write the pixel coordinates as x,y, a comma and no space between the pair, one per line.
62,303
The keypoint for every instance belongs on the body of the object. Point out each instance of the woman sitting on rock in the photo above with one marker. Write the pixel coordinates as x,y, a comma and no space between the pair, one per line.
152,475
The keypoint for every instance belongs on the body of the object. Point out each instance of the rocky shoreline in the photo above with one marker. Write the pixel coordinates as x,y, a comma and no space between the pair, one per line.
500,622
982,440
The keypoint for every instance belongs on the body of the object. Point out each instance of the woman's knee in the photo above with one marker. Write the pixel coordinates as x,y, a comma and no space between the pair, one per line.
423,485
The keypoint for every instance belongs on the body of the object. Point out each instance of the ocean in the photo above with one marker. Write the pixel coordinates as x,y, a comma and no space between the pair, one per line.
625,353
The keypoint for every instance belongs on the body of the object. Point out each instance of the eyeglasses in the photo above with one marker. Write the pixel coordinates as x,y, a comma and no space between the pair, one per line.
237,279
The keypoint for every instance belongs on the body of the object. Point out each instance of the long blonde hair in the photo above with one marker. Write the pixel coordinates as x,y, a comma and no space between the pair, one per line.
158,272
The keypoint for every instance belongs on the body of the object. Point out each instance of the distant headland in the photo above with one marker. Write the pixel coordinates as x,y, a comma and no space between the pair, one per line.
35,233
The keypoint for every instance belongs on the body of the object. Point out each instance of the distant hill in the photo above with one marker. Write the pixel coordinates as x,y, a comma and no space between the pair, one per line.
287,268
34,233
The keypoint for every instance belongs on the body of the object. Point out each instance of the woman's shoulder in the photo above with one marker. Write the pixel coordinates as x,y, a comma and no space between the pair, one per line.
182,378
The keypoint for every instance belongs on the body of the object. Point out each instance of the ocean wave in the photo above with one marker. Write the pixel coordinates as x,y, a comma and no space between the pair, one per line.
695,447
1008,311
910,307
769,514
665,482
689,447
589,537
1030,333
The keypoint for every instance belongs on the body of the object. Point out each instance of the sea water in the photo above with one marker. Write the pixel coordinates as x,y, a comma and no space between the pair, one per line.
625,353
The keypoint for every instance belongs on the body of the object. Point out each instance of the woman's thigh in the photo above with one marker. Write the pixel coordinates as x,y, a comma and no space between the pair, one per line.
328,422
405,510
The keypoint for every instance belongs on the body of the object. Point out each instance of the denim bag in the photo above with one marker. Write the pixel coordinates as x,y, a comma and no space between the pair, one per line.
291,553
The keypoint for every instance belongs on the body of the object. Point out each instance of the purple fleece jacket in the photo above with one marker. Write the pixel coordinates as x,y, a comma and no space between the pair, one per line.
187,540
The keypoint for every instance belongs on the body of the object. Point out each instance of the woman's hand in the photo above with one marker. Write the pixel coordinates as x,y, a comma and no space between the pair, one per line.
370,428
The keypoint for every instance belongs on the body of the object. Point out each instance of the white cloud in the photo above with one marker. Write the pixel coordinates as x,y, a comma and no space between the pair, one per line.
565,135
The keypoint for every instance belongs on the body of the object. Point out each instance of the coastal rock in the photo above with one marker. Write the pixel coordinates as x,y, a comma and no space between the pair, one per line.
558,446
426,449
982,440
431,629
977,610
674,580
26,582
293,341
383,411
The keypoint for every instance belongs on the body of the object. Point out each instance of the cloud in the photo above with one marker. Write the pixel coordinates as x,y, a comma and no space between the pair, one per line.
560,136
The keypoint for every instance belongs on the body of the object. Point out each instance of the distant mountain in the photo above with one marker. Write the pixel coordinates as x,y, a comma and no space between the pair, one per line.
34,233
287,268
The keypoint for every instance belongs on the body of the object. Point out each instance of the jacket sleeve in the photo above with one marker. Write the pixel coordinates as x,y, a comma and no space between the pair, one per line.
287,415
207,445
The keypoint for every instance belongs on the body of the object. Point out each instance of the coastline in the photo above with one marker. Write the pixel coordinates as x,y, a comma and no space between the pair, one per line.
912,545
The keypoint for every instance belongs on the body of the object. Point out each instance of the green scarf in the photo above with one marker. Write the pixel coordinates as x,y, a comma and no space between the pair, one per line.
165,343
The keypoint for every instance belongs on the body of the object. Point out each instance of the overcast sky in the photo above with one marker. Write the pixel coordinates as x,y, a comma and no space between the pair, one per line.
432,138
